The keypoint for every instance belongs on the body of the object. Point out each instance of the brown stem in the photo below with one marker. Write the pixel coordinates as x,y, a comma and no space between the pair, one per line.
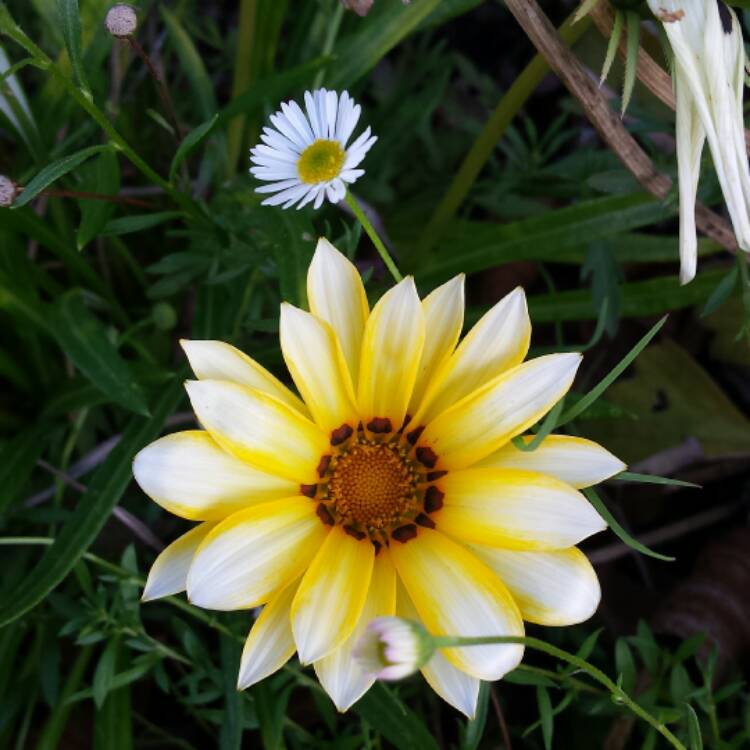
83,195
161,87
577,80
500,718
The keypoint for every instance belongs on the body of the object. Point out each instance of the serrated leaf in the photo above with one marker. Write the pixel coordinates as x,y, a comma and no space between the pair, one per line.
84,339
91,513
53,172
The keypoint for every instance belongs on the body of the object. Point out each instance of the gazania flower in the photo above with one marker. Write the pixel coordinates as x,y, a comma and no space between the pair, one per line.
304,157
390,485
709,78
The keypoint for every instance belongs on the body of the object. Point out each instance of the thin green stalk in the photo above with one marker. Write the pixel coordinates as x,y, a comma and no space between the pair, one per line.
618,694
373,235
330,40
507,109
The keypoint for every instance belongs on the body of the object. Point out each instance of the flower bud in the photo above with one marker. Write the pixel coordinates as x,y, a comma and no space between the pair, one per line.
392,648
121,21
8,191
360,7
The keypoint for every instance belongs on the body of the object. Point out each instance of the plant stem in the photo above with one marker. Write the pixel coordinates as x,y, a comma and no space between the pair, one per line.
618,694
351,201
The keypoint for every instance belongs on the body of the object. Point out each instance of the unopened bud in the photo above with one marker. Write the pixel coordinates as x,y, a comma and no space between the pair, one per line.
121,21
392,648
360,7
8,191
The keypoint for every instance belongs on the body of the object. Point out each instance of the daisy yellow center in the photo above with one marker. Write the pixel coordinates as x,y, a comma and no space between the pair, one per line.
373,486
321,161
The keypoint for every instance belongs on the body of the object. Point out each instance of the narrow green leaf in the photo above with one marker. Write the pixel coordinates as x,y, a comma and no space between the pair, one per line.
720,295
55,171
398,724
18,456
545,715
84,339
695,737
230,735
70,24
105,180
474,730
633,21
610,378
139,222
629,476
623,535
105,672
614,43
190,142
625,664
92,511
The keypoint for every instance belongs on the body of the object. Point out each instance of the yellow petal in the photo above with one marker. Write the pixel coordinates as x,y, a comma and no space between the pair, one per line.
451,684
498,342
259,429
313,355
503,408
270,644
551,588
455,594
189,475
391,352
444,318
332,594
515,509
339,673
168,574
337,296
215,360
574,460
254,553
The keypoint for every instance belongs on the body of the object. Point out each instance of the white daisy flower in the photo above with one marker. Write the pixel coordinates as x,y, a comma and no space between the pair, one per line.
304,156
709,79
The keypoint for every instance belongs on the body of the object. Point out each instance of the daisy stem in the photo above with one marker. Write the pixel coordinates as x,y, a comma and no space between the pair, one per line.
618,694
351,201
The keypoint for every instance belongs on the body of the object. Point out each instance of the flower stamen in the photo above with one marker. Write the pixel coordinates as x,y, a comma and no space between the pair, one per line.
321,161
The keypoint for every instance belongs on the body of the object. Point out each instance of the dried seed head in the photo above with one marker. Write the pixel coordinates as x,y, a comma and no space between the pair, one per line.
8,191
121,21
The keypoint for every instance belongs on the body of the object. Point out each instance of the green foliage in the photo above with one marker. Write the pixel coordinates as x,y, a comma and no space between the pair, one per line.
128,236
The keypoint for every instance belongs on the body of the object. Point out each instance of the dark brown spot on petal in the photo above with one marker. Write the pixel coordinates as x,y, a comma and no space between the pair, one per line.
380,425
726,17
325,462
404,533
425,521
341,434
433,499
413,436
427,457
358,535
435,475
308,490
378,546
407,419
325,515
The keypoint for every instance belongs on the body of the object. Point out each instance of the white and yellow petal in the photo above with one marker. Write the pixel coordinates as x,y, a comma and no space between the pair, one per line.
216,360
455,687
498,342
255,552
189,475
577,461
337,296
168,574
515,509
270,644
317,365
339,673
443,312
498,411
456,594
331,595
391,353
259,429
558,587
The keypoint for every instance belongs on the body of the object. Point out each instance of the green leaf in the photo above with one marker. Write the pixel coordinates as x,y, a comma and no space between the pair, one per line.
631,59
629,476
18,456
720,295
403,728
105,672
610,378
84,339
695,738
139,222
625,665
230,735
545,715
614,40
55,171
70,25
190,142
623,535
91,513
474,728
105,180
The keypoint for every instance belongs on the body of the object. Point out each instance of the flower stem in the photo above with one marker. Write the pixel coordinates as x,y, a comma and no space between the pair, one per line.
618,694
351,201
